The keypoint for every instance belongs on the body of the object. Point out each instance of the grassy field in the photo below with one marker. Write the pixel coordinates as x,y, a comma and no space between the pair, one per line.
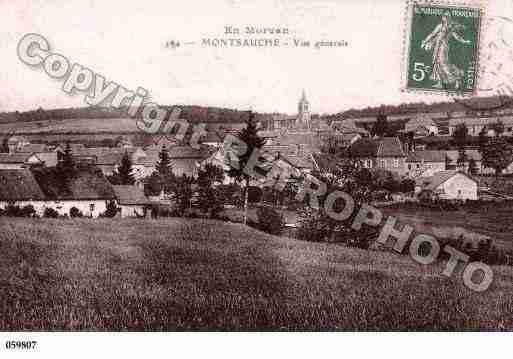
177,274
493,220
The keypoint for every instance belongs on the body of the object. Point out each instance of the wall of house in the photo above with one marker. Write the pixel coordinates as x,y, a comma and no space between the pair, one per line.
11,166
424,169
63,207
458,187
392,164
132,210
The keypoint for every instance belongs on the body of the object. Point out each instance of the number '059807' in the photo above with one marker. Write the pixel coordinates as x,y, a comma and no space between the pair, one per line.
20,345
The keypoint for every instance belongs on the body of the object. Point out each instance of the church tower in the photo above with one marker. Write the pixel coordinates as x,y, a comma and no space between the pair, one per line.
303,116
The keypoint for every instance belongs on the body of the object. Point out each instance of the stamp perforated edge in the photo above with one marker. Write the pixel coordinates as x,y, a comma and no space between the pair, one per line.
482,5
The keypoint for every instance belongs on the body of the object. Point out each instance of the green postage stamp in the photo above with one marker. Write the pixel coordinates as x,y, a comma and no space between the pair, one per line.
443,47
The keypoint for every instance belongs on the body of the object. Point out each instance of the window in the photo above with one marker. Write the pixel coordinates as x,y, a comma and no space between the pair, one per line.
382,163
91,207
396,163
367,163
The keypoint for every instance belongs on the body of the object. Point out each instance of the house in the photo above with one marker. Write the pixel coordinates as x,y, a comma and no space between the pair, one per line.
381,153
421,126
349,126
18,186
471,154
34,148
452,185
16,143
131,201
425,163
476,124
22,160
88,191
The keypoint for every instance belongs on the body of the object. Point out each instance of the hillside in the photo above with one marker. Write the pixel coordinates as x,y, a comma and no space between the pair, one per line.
180,274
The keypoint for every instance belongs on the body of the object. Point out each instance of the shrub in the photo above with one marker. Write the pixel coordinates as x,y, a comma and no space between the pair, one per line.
28,211
50,213
12,210
111,211
254,194
362,238
270,220
74,212
311,227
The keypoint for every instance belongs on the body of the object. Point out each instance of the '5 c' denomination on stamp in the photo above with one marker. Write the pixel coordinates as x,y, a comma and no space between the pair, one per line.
443,47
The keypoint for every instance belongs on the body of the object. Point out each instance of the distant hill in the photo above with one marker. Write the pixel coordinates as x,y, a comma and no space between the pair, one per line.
190,113
468,105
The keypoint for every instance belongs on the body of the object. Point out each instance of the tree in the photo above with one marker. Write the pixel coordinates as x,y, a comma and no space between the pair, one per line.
315,224
497,154
483,140
163,166
460,135
497,127
252,141
66,165
182,190
472,167
124,175
448,162
462,158
164,171
380,127
210,200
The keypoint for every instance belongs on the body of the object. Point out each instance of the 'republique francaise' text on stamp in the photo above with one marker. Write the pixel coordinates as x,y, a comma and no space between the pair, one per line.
443,47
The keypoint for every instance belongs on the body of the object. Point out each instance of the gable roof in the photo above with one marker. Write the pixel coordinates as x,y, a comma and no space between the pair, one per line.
419,121
426,156
18,185
381,147
49,158
130,195
34,147
433,182
87,184
471,153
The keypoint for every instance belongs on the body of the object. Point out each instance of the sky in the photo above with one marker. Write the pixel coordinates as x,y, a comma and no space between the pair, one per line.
125,42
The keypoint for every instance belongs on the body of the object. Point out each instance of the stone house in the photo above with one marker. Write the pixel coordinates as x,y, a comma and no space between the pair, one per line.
425,163
384,153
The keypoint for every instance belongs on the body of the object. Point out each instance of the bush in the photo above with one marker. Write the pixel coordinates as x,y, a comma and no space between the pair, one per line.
74,212
16,211
254,194
111,211
270,220
50,213
311,227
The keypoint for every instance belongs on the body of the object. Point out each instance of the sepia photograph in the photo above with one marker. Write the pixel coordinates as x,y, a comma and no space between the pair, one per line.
237,166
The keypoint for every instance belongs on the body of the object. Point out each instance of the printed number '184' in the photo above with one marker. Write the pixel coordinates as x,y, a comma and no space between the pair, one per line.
419,72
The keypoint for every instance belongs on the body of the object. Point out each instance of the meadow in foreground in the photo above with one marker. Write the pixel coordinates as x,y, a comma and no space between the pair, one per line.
177,274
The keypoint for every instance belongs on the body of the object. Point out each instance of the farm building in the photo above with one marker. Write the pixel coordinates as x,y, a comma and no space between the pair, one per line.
88,191
421,126
425,163
131,201
447,185
383,153
18,186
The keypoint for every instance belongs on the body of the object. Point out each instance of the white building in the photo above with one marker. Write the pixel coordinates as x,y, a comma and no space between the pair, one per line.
447,185
89,192
131,201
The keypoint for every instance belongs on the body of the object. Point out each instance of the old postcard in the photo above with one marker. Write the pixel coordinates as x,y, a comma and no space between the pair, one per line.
230,165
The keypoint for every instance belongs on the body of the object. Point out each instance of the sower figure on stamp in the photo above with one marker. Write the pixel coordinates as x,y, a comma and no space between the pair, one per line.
444,72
